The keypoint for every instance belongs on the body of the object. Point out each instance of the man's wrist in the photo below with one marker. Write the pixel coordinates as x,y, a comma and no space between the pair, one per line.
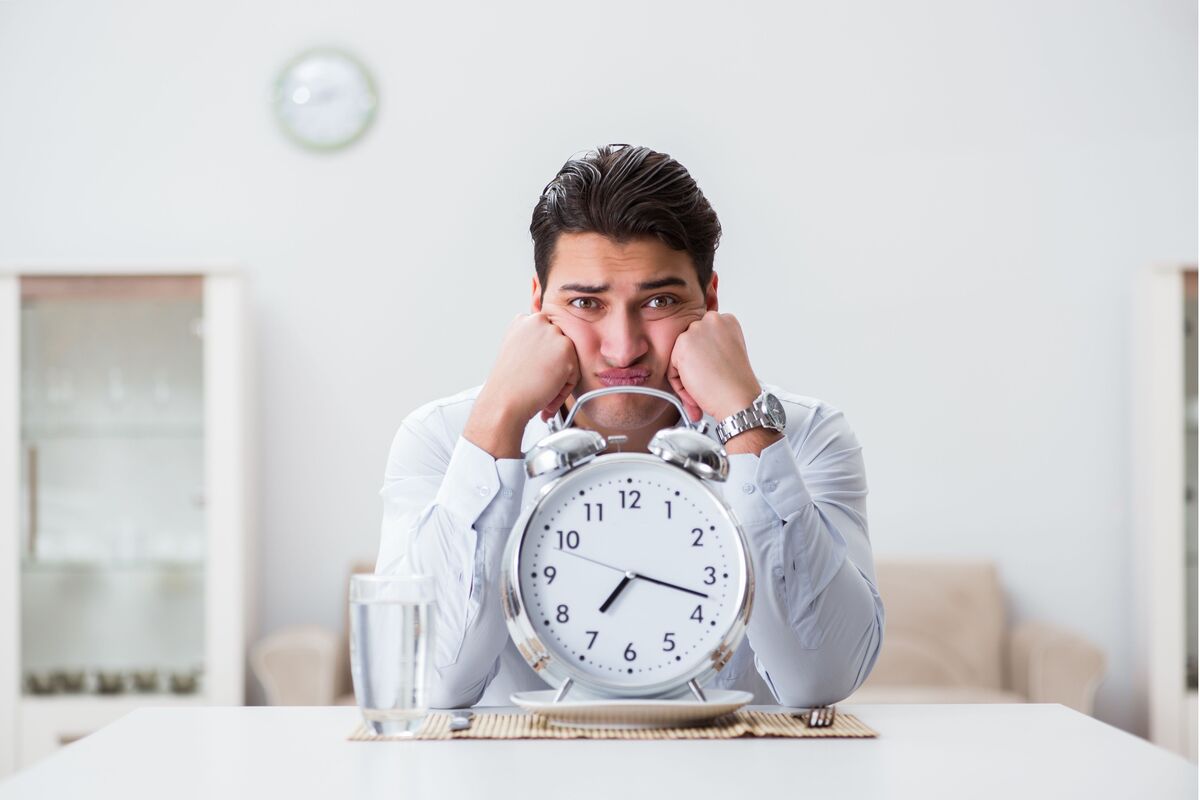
741,401
495,432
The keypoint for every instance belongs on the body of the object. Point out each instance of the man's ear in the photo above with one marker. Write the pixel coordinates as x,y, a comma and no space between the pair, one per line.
710,296
536,303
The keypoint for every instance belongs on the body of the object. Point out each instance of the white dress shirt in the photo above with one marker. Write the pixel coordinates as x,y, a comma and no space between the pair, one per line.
817,619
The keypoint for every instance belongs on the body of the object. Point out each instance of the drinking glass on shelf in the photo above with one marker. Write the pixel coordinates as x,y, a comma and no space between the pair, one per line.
391,650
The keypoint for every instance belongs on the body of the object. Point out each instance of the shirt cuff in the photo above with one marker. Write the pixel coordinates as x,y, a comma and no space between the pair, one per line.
769,485
480,490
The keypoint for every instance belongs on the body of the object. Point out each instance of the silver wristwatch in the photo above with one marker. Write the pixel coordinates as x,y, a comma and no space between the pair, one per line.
765,412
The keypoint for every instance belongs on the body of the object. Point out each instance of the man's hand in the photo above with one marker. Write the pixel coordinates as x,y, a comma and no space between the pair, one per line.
710,370
536,370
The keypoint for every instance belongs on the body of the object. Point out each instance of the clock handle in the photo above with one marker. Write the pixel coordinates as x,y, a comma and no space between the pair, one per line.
684,422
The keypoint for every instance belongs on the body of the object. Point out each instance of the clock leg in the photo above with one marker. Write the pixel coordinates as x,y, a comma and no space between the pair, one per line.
696,690
562,690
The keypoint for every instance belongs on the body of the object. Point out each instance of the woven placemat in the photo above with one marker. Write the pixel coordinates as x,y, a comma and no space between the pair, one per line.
531,726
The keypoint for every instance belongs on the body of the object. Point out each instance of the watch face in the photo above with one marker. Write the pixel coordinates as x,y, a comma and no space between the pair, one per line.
325,99
774,411
632,573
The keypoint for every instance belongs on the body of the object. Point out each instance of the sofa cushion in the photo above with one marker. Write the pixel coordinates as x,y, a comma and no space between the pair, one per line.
944,625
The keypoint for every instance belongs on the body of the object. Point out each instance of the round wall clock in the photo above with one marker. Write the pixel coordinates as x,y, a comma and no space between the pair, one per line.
628,576
325,99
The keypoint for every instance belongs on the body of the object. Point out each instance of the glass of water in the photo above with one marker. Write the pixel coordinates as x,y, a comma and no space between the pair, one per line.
391,650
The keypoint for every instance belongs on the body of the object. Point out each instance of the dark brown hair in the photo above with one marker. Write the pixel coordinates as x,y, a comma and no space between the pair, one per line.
624,192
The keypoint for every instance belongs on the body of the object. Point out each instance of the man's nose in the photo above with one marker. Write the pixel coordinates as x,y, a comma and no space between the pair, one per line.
624,339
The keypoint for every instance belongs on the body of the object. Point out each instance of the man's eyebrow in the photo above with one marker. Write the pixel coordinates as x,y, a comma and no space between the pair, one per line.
584,288
644,286
661,283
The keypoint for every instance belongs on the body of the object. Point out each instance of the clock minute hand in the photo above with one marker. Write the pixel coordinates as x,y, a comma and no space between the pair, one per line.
672,586
585,558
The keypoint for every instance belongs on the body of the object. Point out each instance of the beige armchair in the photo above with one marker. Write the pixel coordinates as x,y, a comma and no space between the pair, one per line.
946,640
307,665
303,665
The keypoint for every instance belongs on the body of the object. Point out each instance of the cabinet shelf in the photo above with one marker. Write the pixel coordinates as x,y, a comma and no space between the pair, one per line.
126,701
82,431
85,565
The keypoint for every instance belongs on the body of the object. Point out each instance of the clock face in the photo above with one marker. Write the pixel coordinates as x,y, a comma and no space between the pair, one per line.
632,572
325,99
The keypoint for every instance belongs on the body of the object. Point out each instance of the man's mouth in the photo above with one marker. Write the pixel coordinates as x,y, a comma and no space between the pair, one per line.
627,376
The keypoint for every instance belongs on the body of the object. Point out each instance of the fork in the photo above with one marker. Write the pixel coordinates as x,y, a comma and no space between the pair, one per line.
819,716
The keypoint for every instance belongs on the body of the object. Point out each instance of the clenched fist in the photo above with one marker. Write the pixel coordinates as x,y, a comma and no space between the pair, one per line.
536,370
710,370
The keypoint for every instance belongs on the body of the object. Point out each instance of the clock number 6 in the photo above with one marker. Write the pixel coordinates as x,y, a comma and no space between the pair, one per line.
630,653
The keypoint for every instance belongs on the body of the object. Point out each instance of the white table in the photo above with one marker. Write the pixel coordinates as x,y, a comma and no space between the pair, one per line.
978,751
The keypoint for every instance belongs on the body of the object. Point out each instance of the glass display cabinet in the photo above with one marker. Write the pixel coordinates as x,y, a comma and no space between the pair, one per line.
124,483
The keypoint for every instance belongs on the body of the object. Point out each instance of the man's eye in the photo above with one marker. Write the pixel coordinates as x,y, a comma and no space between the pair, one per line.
661,301
584,303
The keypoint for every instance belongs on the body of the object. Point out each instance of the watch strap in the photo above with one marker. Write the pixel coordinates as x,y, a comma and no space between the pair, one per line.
742,421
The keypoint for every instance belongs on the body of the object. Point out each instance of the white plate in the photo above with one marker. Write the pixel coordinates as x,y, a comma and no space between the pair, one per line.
641,713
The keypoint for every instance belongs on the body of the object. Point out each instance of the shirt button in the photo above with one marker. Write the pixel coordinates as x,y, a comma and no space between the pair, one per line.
482,490
748,488
772,485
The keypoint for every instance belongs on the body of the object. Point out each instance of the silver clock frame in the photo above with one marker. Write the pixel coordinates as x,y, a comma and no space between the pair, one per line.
563,674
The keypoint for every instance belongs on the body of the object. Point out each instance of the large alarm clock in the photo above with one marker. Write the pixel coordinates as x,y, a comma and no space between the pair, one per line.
628,576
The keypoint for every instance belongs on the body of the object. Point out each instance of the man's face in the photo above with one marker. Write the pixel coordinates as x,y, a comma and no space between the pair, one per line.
623,306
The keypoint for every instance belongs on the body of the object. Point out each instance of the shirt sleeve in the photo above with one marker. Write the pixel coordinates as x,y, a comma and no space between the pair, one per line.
447,513
817,620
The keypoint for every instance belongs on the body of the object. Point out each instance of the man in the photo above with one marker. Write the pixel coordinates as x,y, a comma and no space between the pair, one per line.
624,293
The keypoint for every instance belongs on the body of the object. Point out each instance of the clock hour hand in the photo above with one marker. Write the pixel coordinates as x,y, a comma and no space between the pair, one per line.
629,576
672,586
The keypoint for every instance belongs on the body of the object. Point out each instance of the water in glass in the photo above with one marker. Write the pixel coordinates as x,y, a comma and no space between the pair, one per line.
391,649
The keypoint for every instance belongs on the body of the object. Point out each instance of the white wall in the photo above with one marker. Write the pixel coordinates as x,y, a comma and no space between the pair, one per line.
933,211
